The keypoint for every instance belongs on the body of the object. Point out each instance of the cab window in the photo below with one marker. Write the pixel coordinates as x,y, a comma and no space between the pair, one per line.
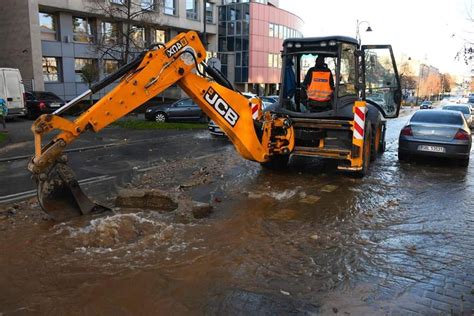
347,78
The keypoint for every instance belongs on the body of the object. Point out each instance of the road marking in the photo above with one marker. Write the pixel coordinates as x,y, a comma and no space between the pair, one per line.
30,193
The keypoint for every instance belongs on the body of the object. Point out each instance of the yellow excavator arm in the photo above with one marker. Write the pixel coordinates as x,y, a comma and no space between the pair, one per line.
151,73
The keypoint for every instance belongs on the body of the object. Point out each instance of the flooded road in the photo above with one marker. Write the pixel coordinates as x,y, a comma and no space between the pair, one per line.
309,240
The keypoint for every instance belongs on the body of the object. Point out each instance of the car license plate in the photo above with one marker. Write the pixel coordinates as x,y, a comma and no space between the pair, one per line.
54,105
436,149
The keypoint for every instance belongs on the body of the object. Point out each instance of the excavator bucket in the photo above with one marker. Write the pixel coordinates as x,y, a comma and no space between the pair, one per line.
60,195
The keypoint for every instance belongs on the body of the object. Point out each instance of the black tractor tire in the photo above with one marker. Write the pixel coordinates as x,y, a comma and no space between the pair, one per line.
367,150
378,145
278,162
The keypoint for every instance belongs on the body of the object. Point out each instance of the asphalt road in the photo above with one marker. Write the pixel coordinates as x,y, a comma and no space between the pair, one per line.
109,157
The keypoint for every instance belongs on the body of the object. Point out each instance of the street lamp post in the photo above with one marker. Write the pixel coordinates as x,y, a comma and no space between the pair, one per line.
369,29
204,20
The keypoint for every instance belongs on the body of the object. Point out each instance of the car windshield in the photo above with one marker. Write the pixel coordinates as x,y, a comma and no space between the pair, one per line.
268,99
437,117
47,96
463,109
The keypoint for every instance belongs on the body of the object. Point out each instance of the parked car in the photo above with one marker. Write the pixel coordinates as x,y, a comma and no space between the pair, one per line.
426,105
268,100
41,102
470,100
214,129
12,91
436,133
181,110
463,108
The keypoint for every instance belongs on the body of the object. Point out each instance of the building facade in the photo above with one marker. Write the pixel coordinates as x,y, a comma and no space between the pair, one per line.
250,35
51,41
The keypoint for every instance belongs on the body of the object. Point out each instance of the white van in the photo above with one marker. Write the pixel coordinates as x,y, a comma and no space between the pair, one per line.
12,91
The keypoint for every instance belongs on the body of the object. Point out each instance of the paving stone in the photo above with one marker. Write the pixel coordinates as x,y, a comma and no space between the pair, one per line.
442,307
443,298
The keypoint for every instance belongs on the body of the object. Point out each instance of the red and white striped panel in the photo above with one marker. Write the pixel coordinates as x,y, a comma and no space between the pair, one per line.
359,122
254,109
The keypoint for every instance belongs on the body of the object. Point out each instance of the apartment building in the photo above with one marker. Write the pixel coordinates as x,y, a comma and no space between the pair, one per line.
51,41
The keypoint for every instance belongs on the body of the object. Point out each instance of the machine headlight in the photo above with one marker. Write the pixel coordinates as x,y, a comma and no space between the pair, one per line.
324,44
332,43
289,45
298,45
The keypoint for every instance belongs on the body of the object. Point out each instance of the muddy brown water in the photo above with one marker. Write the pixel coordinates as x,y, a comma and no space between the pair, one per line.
305,241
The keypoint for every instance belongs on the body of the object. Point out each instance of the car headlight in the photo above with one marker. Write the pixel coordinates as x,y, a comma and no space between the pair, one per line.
148,110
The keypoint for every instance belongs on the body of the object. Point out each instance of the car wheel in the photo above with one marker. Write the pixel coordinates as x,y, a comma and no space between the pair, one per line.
367,150
278,162
204,118
160,117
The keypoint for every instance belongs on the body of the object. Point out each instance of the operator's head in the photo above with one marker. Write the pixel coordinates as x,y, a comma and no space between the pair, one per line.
320,61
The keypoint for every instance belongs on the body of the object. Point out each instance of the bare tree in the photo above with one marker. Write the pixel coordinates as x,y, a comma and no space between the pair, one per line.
90,74
466,53
122,32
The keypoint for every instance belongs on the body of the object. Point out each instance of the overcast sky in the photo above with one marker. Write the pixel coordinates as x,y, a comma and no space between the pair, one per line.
417,28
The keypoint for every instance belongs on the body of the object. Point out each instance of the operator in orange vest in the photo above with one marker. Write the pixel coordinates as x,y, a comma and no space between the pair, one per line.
319,85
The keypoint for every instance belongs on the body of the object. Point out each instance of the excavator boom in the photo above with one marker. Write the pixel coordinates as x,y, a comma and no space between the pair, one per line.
153,72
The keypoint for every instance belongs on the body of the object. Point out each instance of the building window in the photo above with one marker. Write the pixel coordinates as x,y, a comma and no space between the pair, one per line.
138,36
230,28
270,29
110,66
192,9
110,33
51,69
79,63
270,60
48,26
147,5
82,29
121,2
160,36
170,7
209,12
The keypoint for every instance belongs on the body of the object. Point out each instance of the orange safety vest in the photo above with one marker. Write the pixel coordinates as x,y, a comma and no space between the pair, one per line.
320,88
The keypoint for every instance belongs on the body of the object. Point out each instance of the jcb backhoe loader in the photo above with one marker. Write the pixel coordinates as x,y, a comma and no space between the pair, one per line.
268,137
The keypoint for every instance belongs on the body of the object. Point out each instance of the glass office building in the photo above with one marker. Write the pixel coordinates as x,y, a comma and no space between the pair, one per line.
250,35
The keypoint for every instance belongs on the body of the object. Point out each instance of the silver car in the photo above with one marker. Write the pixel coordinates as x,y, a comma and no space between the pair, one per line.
465,109
436,133
214,129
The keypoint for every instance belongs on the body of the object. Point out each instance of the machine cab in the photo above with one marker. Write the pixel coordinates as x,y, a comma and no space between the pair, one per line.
356,73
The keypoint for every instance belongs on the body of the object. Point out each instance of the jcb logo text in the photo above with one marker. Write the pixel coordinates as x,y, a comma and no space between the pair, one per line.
224,109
